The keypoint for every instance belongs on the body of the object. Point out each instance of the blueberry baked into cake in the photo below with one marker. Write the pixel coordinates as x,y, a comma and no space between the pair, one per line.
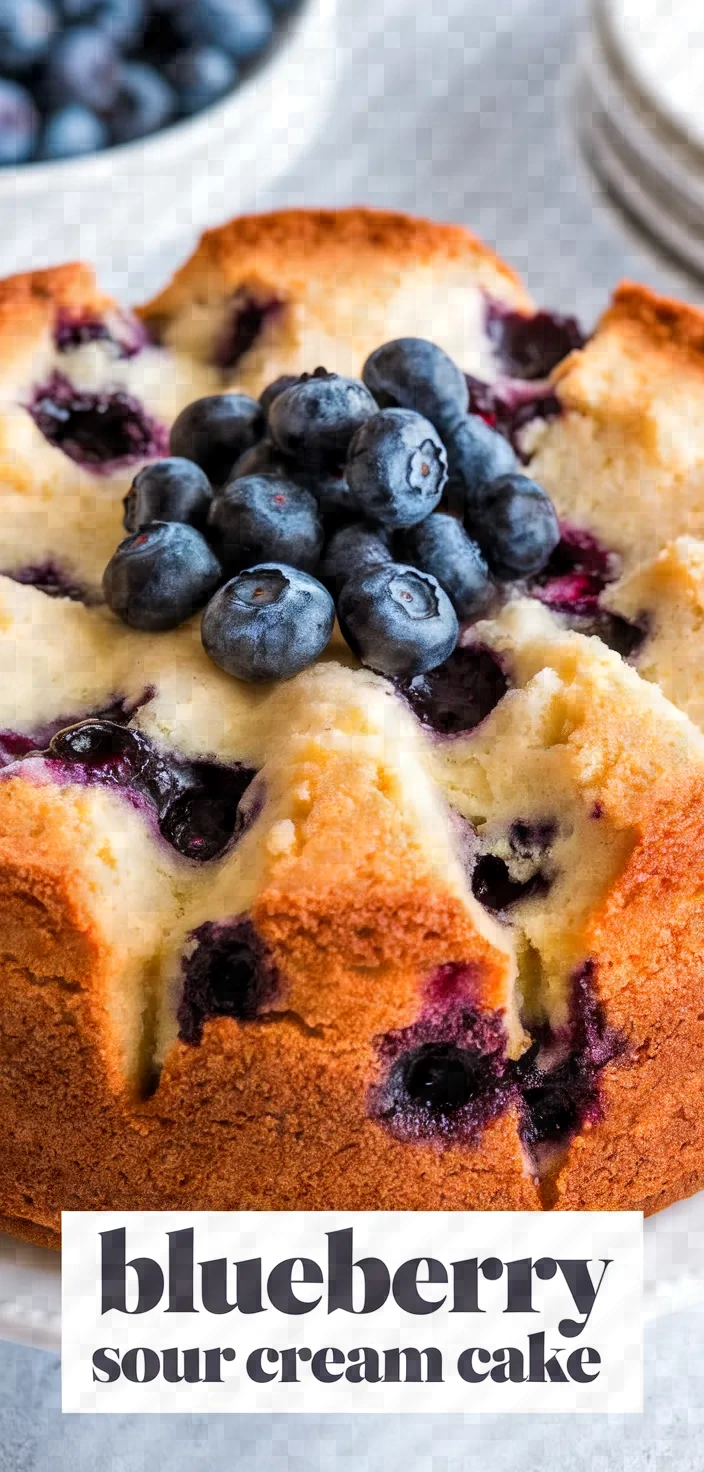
351,834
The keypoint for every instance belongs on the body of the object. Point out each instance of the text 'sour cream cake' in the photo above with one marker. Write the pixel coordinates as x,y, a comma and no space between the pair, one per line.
400,913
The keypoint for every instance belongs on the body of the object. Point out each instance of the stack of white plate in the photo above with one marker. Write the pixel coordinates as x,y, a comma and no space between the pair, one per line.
641,116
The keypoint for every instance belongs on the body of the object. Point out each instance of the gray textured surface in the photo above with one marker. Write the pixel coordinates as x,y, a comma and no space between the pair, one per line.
35,1437
462,110
457,109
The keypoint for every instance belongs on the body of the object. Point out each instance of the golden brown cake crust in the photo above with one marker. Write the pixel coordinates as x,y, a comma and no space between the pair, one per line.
293,244
668,325
27,1231
625,459
648,944
639,326
261,1115
30,302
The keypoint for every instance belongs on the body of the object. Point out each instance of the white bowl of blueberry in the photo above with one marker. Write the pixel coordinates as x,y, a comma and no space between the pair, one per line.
145,120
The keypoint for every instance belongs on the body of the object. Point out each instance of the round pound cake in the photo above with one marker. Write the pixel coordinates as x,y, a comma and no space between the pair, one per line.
369,919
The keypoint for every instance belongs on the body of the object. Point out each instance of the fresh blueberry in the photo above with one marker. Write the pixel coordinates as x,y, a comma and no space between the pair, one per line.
315,419
351,551
83,67
145,102
242,27
19,124
411,373
160,575
72,131
78,10
475,454
200,76
329,486
268,623
397,620
262,459
215,431
272,390
261,518
396,467
122,20
515,525
27,28
168,490
441,546
332,493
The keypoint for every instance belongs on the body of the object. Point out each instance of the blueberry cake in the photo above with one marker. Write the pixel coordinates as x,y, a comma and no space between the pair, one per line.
623,462
348,858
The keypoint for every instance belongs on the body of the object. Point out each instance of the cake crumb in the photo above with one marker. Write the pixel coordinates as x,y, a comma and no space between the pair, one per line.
282,837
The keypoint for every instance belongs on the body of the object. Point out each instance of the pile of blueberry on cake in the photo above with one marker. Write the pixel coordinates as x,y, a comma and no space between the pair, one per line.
347,859
382,500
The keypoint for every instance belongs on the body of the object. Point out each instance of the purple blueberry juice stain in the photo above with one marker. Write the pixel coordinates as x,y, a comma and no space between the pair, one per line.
247,317
124,336
559,1076
455,982
494,887
528,348
14,746
619,634
50,578
579,570
493,884
229,973
100,431
446,1076
572,583
194,805
508,405
457,696
531,346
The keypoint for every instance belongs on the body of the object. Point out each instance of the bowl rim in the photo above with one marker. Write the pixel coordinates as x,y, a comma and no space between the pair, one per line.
89,168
